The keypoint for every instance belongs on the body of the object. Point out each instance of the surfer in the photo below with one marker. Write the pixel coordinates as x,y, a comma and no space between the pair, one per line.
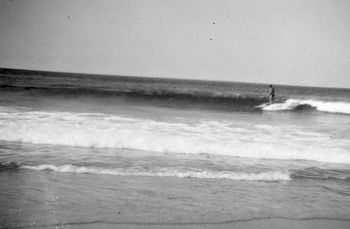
272,94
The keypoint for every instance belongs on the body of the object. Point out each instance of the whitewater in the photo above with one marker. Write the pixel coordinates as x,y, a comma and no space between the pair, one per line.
201,137
324,106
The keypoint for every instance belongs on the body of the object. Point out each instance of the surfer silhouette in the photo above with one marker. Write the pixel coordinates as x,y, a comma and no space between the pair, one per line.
272,94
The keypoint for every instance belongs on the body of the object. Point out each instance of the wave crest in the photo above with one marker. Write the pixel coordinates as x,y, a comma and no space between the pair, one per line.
294,104
166,172
161,97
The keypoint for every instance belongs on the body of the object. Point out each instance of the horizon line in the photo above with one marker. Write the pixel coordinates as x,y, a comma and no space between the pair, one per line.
154,77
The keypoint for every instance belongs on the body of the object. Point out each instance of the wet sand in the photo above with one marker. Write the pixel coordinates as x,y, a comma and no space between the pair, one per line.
43,199
261,224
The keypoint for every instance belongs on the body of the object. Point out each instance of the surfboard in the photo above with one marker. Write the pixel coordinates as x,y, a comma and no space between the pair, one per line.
263,105
267,104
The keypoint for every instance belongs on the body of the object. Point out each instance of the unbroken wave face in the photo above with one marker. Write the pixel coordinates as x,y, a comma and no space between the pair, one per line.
203,136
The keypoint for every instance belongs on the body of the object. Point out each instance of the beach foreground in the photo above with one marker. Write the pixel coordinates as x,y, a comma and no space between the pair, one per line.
37,199
261,224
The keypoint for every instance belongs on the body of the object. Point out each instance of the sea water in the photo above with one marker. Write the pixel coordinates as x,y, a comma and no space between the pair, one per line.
84,149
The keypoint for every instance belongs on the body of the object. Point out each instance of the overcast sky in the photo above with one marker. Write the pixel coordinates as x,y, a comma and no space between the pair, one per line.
280,42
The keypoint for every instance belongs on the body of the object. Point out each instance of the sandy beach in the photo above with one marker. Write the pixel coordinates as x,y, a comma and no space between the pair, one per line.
45,199
255,224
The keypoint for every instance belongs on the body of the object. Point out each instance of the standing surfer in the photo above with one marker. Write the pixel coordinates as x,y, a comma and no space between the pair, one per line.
272,94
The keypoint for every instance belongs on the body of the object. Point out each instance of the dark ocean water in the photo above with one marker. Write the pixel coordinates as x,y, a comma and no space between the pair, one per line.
78,149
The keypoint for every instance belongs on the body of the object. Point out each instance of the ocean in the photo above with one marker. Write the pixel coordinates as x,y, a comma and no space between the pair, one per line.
85,150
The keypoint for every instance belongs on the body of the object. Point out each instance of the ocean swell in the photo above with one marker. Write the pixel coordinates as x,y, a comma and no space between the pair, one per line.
188,99
155,96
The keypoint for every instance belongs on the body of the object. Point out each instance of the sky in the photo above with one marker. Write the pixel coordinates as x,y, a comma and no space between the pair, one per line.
292,42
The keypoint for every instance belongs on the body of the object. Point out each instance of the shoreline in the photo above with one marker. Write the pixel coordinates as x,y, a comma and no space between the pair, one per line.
239,224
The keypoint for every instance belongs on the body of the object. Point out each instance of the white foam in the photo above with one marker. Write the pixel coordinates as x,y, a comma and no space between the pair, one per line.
210,137
199,174
291,104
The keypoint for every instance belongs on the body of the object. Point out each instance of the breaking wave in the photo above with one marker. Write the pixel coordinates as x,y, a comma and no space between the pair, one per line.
306,173
173,97
294,104
176,93
166,172
314,173
202,137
